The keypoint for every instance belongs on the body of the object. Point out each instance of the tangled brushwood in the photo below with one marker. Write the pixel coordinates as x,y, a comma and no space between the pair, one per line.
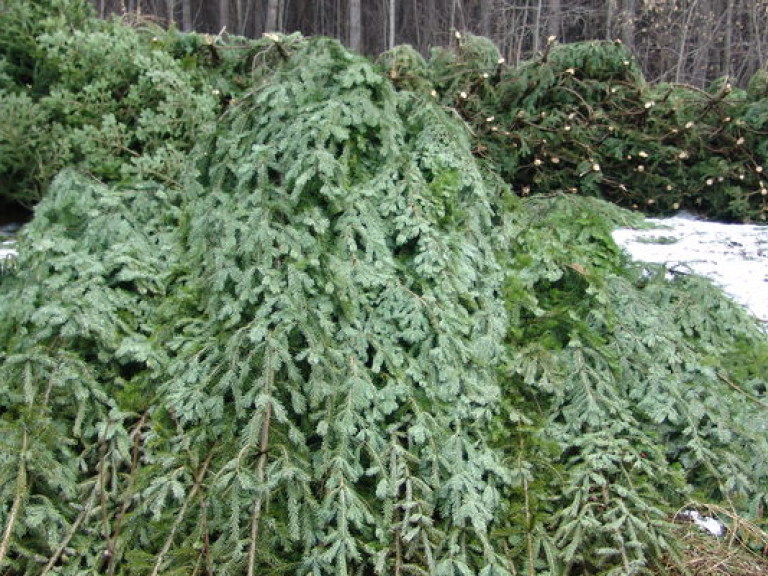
581,119
338,342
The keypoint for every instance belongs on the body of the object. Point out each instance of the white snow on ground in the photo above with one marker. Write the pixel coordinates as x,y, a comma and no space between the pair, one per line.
706,523
7,250
734,256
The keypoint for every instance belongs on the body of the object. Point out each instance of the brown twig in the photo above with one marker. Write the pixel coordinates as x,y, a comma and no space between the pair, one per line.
181,514
21,482
260,466
754,399
112,542
73,529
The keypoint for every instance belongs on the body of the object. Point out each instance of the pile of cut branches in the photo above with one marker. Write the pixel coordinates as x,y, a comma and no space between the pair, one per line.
339,343
581,119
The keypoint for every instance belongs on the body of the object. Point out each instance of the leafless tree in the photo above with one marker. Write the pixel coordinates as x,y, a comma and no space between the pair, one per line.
273,16
691,41
355,25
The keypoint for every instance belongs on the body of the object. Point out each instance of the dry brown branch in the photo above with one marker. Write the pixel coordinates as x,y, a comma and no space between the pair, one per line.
21,486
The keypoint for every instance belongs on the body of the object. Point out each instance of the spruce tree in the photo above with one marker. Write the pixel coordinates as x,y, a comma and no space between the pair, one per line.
621,382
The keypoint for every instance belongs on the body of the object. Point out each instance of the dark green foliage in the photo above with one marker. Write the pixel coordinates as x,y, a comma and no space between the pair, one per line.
581,119
466,70
22,22
630,376
338,344
116,101
406,69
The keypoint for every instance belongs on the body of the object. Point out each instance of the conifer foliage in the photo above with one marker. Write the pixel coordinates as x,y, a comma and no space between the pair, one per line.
339,252
121,102
621,384
320,365
581,119
340,344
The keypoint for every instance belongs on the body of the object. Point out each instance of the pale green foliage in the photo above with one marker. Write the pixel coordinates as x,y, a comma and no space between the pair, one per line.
339,255
317,342
89,267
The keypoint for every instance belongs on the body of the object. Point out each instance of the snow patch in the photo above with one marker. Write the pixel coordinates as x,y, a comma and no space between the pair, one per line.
7,250
734,256
706,523
7,244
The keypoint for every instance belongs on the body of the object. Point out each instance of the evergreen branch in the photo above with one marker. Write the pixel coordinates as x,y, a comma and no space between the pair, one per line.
528,514
397,525
256,513
101,483
205,554
181,514
210,43
583,101
460,118
112,542
741,391
547,49
263,449
21,485
692,88
616,530
73,529
398,553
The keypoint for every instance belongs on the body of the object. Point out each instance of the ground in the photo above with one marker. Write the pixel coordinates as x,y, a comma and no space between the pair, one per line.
735,256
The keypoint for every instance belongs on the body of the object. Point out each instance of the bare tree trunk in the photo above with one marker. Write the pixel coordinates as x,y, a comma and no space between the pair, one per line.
757,39
239,23
170,8
461,22
519,29
417,25
537,27
486,12
392,24
186,15
610,19
355,26
223,14
628,20
555,18
273,16
706,46
727,65
682,53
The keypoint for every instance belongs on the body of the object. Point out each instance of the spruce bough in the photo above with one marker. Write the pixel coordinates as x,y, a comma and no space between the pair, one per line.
344,347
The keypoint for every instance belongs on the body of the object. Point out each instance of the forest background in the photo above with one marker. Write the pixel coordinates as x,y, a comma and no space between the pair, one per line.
685,41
